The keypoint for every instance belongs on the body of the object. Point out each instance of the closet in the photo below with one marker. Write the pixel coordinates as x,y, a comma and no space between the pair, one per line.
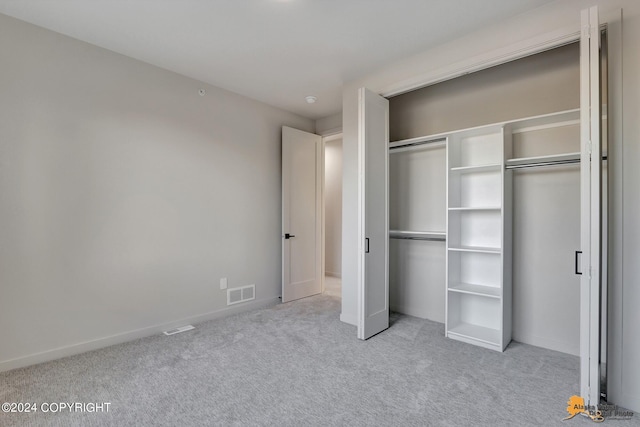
485,122
496,170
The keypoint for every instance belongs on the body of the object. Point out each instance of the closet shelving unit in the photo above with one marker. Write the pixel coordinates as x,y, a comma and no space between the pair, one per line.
479,218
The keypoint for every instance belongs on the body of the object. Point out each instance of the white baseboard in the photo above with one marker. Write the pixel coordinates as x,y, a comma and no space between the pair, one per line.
349,318
410,311
98,343
415,312
547,343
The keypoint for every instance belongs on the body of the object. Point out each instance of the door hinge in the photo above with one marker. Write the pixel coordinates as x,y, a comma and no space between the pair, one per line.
589,148
587,273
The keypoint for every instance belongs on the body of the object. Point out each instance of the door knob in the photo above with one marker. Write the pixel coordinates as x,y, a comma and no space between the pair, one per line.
288,236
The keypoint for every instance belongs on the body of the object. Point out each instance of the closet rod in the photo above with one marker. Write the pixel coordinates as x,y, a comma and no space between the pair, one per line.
439,141
543,164
432,239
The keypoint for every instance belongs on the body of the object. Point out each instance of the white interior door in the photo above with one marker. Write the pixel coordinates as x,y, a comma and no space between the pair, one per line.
373,230
591,182
301,214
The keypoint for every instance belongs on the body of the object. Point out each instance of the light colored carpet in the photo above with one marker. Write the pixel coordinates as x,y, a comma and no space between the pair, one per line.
296,364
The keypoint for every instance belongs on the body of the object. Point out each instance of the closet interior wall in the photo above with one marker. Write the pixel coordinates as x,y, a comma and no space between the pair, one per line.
546,201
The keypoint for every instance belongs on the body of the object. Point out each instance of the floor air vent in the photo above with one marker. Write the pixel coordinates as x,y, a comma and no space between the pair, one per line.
237,295
178,330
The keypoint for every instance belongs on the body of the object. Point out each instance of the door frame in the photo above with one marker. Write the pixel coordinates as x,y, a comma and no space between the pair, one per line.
327,136
612,20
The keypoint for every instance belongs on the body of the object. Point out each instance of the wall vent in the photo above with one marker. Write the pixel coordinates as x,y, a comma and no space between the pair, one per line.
178,330
242,294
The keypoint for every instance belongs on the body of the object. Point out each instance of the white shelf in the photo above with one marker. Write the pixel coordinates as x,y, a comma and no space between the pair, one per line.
543,159
476,249
480,290
476,208
477,333
546,121
477,168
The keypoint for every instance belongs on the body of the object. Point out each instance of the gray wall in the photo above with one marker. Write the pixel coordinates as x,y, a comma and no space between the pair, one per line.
125,196
544,83
333,207
553,18
329,125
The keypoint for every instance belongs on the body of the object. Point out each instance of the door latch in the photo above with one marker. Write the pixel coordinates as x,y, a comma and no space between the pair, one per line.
288,236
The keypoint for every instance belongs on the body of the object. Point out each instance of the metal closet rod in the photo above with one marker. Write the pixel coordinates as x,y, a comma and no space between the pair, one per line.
543,164
433,239
418,144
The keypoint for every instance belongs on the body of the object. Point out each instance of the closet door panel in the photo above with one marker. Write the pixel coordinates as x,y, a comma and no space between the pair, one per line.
591,205
373,208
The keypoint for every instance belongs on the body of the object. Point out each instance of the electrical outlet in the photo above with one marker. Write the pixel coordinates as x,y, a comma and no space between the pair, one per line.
223,283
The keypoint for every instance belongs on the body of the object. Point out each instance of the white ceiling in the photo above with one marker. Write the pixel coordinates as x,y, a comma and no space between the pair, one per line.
275,51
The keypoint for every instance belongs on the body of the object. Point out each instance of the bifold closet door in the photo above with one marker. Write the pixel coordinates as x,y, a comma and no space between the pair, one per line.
373,218
591,182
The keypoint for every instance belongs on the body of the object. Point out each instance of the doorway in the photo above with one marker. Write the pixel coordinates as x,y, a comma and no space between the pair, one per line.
333,215
311,214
